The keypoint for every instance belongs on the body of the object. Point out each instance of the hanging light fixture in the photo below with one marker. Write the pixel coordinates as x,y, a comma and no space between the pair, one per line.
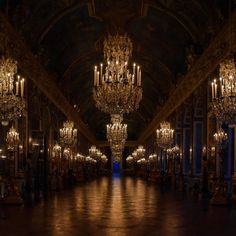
140,152
12,138
117,90
152,158
165,135
220,137
223,93
56,151
104,159
129,160
223,89
117,135
117,151
116,132
68,134
12,102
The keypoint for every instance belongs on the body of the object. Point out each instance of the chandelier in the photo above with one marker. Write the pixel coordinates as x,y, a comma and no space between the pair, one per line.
95,153
12,102
142,161
56,151
223,93
12,138
67,153
80,158
117,135
90,160
117,151
220,137
165,135
152,158
138,153
104,159
173,150
68,134
117,90
129,160
116,132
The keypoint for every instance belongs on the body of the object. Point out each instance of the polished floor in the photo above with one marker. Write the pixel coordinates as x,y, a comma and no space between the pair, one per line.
119,206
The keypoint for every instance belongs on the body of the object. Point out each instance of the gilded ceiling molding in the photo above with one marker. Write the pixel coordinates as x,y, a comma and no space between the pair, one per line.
33,70
199,72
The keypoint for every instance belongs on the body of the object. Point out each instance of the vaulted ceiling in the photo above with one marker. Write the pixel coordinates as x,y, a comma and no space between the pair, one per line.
67,36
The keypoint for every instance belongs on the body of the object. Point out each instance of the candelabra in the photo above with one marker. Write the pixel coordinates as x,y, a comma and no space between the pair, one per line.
12,102
165,135
68,134
223,93
116,89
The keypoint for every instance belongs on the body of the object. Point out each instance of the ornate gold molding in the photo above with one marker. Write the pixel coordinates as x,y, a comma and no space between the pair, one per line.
203,67
34,71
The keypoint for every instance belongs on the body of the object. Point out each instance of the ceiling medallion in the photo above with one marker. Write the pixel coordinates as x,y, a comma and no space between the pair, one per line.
12,102
117,89
223,93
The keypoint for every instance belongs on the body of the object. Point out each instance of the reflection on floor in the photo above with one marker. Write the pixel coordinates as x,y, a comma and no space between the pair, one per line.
119,206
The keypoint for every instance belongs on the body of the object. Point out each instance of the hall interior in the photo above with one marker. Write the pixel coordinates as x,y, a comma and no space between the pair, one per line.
122,111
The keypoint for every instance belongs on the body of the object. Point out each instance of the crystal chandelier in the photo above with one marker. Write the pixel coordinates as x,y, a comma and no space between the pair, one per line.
220,137
56,151
152,158
104,159
95,153
117,151
117,135
140,152
67,153
80,158
117,90
173,150
117,132
12,138
129,160
68,134
165,135
12,102
223,93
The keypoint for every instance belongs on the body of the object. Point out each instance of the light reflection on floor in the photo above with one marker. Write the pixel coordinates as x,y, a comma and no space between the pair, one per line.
119,206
